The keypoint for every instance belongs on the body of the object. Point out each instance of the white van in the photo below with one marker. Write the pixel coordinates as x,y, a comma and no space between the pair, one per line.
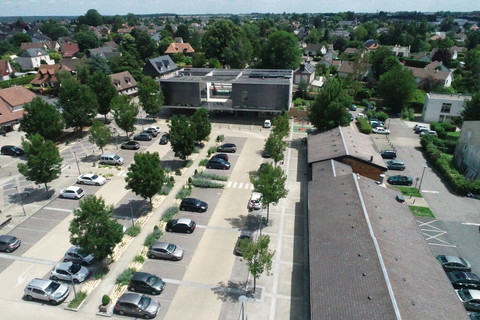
110,158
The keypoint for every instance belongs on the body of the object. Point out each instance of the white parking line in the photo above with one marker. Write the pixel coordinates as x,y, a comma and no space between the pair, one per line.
429,191
47,219
49,208
26,259
35,230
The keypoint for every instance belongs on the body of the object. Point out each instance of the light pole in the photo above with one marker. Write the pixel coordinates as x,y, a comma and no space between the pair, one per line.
242,299
21,202
76,161
131,212
421,179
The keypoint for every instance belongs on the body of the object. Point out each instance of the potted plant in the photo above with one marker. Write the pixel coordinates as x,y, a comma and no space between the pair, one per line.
105,302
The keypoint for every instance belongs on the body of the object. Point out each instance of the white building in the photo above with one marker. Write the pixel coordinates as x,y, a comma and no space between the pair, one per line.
442,107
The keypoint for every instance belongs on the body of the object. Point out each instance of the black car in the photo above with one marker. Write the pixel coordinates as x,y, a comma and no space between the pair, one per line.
192,204
146,283
131,145
227,147
217,163
461,279
400,180
164,139
223,156
388,154
12,151
238,246
151,132
143,137
184,225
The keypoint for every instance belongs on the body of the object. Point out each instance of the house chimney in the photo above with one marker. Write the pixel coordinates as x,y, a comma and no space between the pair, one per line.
371,158
382,179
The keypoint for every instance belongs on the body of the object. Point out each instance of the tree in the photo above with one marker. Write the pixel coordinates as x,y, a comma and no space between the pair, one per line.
98,63
238,53
43,160
217,38
150,95
182,31
78,101
145,176
93,228
281,51
102,86
382,61
86,40
99,134
397,87
270,182
164,44
258,257
472,109
275,146
182,136
43,118
18,38
53,29
329,108
201,124
91,18
281,126
124,113
302,88
145,45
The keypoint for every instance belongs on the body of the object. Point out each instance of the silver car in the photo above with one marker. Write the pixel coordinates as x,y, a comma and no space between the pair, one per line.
137,305
74,255
91,179
46,290
70,271
165,250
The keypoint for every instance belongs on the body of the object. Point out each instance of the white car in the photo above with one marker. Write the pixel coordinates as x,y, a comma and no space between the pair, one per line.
72,193
92,179
157,129
255,202
267,123
69,271
381,130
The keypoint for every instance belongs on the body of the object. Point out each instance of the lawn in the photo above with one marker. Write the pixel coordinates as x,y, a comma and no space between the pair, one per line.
421,212
410,192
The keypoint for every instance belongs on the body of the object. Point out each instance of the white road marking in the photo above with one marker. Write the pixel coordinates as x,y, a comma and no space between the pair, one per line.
21,278
229,184
471,224
234,185
240,186
49,208
429,191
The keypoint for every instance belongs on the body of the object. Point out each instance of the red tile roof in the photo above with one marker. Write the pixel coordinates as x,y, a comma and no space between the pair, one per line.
5,68
69,49
46,73
11,99
179,48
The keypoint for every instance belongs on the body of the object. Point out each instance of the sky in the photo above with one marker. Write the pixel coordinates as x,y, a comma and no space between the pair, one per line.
79,7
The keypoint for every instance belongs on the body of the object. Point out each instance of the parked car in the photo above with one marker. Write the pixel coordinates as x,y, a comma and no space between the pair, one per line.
474,315
464,280
470,299
381,130
454,263
137,305
388,154
217,163
223,156
164,139
227,147
376,124
91,179
12,151
9,243
192,204
352,107
151,132
255,202
110,158
75,255
46,290
400,180
143,137
361,116
131,145
165,250
265,154
267,123
420,129
395,165
156,128
72,192
428,133
146,283
238,250
418,126
184,225
69,271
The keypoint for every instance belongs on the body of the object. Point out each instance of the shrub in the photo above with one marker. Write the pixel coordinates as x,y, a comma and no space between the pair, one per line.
167,187
153,237
183,193
220,138
106,300
203,175
382,116
189,163
201,183
196,149
178,172
407,114
172,179
364,126
203,162
169,213
133,231
139,259
124,277
78,300
211,151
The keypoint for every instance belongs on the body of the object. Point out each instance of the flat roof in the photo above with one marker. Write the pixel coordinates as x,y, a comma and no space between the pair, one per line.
440,96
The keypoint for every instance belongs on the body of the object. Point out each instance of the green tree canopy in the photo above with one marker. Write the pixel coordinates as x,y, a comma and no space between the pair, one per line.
145,176
99,134
86,40
18,38
98,63
218,36
150,95
43,160
281,125
281,51
329,108
238,52
275,146
53,29
182,136
91,18
201,124
93,228
258,257
43,118
397,87
102,86
145,45
382,61
124,113
472,109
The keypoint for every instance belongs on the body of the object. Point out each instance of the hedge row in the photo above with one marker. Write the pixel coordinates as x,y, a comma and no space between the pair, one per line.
17,81
442,128
364,126
445,166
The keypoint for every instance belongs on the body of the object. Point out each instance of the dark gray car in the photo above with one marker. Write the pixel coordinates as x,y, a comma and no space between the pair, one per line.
192,204
75,255
9,243
146,283
137,305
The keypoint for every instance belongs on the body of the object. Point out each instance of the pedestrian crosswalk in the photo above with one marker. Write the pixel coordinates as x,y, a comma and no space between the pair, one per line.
239,185
122,173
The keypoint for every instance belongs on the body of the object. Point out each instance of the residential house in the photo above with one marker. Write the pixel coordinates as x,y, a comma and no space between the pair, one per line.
443,107
52,45
30,59
124,31
305,72
111,44
73,63
105,52
401,52
32,45
69,49
184,48
46,75
159,67
454,51
6,70
352,52
467,152
432,77
11,104
353,69
124,83
313,49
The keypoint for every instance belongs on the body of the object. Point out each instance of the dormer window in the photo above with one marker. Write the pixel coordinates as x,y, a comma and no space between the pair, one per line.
127,79
116,82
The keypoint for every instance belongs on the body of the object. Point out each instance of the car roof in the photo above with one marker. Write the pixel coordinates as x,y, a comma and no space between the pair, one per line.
108,155
7,237
130,297
39,283
141,276
453,259
184,220
74,188
63,265
160,245
474,293
395,161
256,195
87,175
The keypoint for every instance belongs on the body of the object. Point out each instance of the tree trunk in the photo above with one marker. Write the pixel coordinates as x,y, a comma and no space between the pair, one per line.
46,187
254,284
268,211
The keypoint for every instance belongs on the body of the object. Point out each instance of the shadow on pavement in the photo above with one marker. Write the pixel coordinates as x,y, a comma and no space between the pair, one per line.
134,209
250,222
31,195
231,290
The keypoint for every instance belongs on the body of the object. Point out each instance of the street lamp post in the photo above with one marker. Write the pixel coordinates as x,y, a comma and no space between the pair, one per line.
242,299
76,161
421,179
21,202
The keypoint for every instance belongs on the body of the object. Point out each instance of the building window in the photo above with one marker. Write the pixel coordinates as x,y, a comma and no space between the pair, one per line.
446,107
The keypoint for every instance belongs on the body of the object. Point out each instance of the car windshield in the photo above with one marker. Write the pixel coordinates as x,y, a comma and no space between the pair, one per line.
152,280
12,240
79,191
116,157
94,177
144,302
52,287
465,295
171,247
74,268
